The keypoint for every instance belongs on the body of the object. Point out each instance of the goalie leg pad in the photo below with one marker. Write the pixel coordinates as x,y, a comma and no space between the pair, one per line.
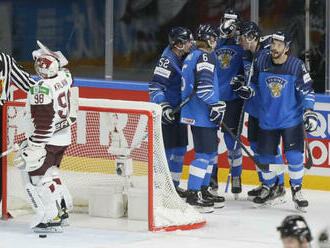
61,187
44,199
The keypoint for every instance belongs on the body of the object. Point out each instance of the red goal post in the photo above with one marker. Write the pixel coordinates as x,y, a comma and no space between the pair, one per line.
104,130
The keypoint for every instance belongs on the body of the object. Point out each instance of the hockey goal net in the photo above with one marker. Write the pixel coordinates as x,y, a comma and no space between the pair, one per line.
105,131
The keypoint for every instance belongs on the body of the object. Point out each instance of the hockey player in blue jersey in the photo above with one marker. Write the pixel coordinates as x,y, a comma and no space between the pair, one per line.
229,55
165,89
204,113
286,101
253,45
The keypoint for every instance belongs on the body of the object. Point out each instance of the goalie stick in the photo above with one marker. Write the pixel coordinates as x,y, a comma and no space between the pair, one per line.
13,148
58,127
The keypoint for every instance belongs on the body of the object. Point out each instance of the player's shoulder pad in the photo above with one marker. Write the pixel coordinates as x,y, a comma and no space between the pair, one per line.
206,61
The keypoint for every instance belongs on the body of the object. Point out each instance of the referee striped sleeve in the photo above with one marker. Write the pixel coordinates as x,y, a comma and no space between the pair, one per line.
20,78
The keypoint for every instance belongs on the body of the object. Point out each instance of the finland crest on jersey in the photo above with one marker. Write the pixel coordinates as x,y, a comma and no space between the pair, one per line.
225,55
275,85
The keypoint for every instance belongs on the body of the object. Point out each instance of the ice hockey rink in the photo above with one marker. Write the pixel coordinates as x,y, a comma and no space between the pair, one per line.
239,224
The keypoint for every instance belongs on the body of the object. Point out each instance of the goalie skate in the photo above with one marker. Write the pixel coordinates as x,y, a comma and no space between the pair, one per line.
50,227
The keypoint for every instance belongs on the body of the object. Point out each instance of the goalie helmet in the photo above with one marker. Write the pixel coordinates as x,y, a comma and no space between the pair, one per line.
206,31
46,66
249,28
295,226
282,36
179,34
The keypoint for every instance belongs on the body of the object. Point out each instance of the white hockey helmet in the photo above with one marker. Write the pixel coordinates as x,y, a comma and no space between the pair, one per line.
46,66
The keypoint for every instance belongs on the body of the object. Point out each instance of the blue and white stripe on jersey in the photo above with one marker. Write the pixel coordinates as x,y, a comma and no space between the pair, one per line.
165,83
205,68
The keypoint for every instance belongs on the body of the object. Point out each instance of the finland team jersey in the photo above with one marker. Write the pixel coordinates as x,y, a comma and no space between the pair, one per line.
200,73
252,104
229,56
165,84
285,91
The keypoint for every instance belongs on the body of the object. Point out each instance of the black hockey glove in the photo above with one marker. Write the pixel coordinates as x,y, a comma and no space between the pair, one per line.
245,92
237,82
167,117
310,121
227,28
217,112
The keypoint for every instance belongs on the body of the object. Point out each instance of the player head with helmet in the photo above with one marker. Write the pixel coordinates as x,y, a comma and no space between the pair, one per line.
180,40
295,232
249,35
206,37
279,47
229,23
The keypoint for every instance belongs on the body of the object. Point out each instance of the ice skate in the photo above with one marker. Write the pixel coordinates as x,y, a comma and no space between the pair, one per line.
236,186
264,197
254,192
219,201
279,195
181,192
214,183
64,216
300,202
195,199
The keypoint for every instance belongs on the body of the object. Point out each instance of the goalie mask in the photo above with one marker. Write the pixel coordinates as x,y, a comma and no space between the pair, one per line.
46,66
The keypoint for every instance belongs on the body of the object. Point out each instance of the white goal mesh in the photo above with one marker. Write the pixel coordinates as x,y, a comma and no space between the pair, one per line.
106,130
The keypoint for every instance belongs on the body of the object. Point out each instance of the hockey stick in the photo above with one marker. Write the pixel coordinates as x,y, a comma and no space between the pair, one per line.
309,162
262,167
185,101
240,125
307,43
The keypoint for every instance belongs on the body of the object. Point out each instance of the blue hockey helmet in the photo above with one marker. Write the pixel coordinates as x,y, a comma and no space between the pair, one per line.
231,14
179,34
206,31
249,28
282,36
295,226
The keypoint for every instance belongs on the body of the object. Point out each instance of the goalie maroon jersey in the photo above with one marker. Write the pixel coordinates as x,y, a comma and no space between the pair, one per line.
48,105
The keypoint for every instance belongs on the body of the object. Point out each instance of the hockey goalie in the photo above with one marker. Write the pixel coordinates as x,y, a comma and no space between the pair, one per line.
48,108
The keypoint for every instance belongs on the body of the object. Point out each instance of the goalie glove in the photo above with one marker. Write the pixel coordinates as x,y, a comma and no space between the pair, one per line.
217,112
31,156
227,28
167,116
237,82
310,120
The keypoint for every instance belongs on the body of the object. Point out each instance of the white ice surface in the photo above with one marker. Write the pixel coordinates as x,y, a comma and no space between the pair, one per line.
239,224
